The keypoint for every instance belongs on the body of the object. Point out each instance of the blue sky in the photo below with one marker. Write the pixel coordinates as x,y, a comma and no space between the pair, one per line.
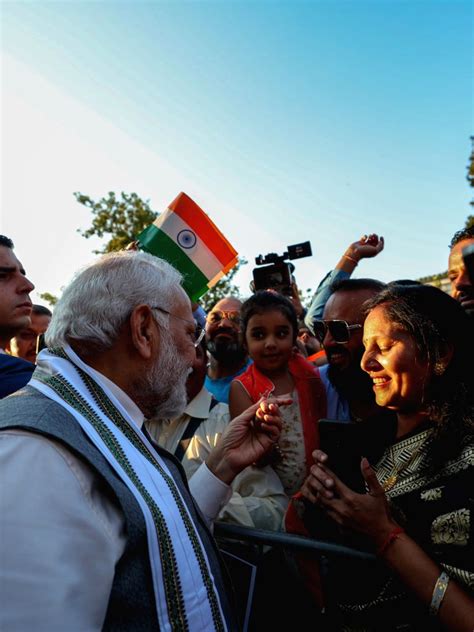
285,121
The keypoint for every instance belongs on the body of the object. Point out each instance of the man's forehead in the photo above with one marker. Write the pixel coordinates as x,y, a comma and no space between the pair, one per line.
228,304
347,305
8,259
455,256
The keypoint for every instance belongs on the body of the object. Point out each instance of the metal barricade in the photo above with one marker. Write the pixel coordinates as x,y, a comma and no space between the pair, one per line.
271,593
287,541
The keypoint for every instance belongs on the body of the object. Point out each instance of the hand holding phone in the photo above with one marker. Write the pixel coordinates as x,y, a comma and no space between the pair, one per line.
343,443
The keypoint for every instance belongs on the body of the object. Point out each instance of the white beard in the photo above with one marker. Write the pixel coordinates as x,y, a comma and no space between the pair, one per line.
166,382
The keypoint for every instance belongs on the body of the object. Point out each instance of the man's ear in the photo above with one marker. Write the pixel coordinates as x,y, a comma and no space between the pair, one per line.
144,331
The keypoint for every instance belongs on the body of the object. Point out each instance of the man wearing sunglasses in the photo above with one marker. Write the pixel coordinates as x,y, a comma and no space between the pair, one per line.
228,357
349,393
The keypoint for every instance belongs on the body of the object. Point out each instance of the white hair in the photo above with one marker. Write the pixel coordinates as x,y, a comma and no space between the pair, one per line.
99,299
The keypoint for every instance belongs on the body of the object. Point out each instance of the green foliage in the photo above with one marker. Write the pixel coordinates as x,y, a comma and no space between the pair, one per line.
470,168
122,218
222,289
434,278
49,298
470,179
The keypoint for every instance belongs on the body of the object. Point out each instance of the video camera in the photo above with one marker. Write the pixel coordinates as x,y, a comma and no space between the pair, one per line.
276,273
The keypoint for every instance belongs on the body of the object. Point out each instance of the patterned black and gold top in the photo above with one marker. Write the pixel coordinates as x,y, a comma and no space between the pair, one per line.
436,510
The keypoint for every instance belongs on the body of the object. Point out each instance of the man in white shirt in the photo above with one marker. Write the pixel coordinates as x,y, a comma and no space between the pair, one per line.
98,528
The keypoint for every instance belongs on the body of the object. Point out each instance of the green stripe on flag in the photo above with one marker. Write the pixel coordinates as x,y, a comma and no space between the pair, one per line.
156,242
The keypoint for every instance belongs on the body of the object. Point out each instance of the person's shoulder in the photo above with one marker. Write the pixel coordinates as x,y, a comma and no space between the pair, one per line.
218,415
323,370
14,374
29,409
464,459
12,363
24,398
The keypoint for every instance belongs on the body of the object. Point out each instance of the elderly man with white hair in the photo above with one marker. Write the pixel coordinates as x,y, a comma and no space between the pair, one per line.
99,530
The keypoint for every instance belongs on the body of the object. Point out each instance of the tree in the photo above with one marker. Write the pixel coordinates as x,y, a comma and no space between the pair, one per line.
49,298
470,167
470,179
222,289
122,218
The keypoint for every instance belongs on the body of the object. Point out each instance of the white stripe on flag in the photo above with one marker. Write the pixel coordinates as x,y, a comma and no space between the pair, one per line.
172,224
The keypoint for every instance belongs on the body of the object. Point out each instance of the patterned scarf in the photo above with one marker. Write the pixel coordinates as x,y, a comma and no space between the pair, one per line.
185,593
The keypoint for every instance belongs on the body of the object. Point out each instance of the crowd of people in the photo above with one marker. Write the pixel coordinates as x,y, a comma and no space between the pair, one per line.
143,421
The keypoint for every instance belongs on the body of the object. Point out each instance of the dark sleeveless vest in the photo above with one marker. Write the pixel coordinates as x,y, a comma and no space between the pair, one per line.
131,604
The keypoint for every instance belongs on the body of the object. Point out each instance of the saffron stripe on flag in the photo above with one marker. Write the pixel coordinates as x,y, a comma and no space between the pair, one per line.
173,225
157,243
196,218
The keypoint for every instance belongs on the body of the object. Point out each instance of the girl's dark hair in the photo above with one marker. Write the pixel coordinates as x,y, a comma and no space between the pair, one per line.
437,322
266,301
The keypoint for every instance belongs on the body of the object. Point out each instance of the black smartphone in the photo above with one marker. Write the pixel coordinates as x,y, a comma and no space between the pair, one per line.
343,442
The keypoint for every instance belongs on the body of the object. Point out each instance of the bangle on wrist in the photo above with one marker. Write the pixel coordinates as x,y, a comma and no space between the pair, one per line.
353,259
439,591
392,536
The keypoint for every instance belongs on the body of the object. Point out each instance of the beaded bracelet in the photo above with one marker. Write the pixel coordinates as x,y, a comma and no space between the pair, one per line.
392,536
438,593
351,259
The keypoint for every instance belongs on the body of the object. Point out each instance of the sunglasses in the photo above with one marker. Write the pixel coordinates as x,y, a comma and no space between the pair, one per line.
219,314
340,330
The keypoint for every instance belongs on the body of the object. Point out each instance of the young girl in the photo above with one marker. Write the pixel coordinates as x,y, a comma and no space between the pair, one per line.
269,330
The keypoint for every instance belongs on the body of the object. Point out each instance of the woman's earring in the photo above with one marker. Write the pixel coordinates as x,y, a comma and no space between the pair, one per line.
439,368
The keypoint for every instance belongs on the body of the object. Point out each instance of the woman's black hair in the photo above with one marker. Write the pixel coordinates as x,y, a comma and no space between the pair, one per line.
267,301
437,322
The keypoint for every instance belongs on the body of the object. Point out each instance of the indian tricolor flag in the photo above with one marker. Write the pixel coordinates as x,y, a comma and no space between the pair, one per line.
185,237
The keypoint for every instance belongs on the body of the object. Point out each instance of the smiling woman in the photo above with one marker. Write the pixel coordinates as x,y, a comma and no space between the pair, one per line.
417,513
392,360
